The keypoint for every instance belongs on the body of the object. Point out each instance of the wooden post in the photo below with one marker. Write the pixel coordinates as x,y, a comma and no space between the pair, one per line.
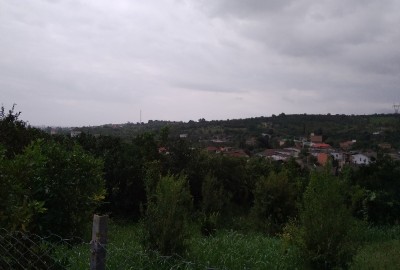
98,243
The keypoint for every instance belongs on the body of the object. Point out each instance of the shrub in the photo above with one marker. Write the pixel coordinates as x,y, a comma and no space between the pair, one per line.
69,182
215,198
52,189
17,207
326,227
167,215
274,202
16,134
209,223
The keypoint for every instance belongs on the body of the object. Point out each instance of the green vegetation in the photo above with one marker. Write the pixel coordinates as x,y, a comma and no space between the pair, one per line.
274,202
326,229
231,250
48,186
384,255
212,209
225,250
368,130
167,215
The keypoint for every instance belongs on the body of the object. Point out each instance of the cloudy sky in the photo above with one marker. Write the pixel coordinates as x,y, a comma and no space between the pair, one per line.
91,62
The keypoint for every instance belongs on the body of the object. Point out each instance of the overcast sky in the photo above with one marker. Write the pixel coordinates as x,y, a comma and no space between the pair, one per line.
91,62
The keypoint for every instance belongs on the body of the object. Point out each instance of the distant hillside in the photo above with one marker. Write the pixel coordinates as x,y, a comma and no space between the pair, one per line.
368,130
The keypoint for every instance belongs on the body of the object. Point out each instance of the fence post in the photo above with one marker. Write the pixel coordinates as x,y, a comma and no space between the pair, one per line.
98,243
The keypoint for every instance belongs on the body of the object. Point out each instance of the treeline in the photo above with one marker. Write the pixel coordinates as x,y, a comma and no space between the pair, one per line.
368,130
55,183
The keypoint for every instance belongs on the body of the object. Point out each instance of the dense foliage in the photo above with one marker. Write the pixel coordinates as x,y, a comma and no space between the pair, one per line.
175,189
167,215
325,224
49,187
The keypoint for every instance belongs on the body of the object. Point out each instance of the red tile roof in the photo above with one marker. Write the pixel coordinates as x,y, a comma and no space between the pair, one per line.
321,145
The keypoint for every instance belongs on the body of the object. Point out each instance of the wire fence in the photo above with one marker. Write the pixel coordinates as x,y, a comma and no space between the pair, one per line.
23,250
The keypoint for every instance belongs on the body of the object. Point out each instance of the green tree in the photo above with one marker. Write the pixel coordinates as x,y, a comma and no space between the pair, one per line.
164,134
16,134
215,200
17,205
51,189
231,172
70,184
274,202
124,171
381,181
324,231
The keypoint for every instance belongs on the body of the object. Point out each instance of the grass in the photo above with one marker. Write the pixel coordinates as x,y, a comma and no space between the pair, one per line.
225,250
233,250
381,249
229,249
380,255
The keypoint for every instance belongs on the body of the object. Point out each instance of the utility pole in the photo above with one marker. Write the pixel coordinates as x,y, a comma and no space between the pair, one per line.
396,108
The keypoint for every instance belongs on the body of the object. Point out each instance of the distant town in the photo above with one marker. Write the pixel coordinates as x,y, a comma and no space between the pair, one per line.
270,138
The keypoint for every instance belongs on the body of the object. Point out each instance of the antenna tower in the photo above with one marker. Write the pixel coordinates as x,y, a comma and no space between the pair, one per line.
396,108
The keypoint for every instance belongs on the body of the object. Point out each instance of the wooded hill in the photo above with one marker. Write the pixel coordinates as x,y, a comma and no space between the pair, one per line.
367,130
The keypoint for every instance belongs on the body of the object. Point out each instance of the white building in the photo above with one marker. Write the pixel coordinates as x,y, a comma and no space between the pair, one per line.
75,133
360,159
337,156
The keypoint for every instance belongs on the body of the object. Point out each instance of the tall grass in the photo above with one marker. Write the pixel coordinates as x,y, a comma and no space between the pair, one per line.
225,250
229,250
233,250
379,255
381,249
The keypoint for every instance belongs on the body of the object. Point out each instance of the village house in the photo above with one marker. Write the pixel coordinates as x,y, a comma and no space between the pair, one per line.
337,156
251,141
385,146
213,149
280,154
323,158
75,133
320,146
237,153
347,144
316,138
360,159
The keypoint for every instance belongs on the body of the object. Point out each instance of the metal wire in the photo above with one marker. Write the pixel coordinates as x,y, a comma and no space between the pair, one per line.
23,250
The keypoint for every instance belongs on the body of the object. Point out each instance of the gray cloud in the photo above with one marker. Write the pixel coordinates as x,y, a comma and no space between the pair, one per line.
94,62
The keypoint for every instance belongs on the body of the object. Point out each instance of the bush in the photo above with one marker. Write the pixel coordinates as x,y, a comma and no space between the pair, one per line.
167,215
70,183
214,198
209,223
16,134
274,202
18,207
326,229
52,189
